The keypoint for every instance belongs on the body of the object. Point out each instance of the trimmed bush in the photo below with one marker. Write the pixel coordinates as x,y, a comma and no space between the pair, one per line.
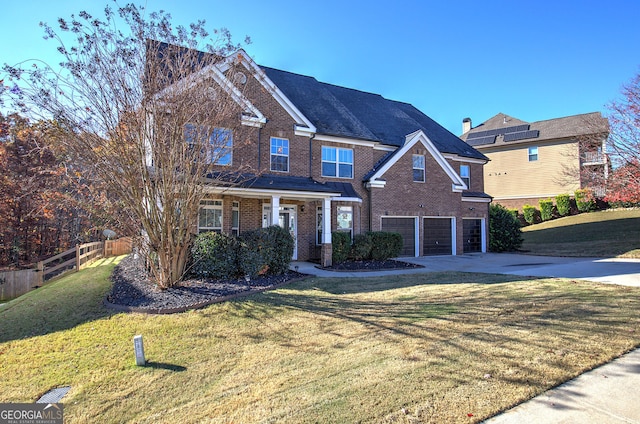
385,245
273,244
214,255
546,209
251,261
361,248
563,204
504,229
341,246
585,201
529,212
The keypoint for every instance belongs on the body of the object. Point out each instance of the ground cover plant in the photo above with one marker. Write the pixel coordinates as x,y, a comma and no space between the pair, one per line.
433,347
611,233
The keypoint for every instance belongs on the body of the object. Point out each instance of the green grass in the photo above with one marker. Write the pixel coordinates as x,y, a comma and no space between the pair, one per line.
613,233
427,347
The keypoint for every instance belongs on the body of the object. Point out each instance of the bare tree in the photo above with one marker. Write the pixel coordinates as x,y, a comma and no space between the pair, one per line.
624,139
145,109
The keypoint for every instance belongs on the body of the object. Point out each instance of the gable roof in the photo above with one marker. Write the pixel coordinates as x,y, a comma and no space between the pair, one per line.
515,131
345,112
374,178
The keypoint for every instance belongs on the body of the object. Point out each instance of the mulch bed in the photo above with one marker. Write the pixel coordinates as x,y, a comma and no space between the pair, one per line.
371,265
133,292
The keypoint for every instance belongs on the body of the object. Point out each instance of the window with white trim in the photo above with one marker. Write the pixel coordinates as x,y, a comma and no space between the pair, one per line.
418,168
279,154
465,174
337,162
210,216
533,154
345,219
235,218
220,149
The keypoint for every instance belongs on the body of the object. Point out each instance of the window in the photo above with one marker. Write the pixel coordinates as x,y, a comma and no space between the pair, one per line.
337,162
220,139
418,168
279,154
465,174
533,154
235,219
319,225
210,216
345,219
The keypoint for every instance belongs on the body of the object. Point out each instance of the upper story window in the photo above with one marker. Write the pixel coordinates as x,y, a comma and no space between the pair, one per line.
337,162
418,168
210,216
220,139
465,174
279,154
533,154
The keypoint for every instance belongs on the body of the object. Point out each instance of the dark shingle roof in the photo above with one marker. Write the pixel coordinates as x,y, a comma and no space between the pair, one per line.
345,112
282,182
550,129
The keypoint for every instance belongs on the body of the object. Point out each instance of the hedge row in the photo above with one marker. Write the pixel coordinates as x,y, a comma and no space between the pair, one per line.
375,245
257,252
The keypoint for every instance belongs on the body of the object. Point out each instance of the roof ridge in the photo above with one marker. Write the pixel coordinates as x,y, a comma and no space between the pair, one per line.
568,116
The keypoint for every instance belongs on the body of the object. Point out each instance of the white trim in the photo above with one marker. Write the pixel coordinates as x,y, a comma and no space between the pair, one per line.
262,193
253,118
346,199
420,137
376,184
464,159
269,85
345,140
475,199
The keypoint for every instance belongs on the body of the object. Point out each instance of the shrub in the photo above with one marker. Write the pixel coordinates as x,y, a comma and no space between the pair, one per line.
341,246
214,255
251,261
563,204
361,248
585,201
272,245
385,245
530,213
504,229
546,209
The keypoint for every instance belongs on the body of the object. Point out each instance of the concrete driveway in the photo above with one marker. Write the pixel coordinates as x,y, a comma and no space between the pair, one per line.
603,270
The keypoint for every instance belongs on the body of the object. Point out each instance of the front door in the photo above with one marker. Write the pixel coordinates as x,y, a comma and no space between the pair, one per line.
287,219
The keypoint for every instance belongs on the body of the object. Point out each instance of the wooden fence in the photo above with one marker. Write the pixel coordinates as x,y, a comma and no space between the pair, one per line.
17,283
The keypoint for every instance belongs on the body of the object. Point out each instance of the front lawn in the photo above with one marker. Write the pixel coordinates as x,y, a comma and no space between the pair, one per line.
433,347
610,233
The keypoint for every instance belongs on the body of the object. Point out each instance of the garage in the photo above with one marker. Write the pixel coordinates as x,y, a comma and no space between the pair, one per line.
438,237
472,235
407,228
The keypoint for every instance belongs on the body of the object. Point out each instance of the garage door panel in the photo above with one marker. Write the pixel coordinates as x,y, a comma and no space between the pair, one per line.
472,233
437,238
407,229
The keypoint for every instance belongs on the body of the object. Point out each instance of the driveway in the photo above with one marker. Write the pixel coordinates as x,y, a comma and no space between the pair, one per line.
613,270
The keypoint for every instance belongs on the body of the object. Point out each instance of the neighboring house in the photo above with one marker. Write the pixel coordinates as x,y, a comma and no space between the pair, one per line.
336,159
530,161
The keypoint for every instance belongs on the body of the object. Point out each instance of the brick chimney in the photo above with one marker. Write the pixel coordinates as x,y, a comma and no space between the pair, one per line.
466,125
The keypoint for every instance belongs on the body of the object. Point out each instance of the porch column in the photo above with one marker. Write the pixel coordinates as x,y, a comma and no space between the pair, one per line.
275,210
327,250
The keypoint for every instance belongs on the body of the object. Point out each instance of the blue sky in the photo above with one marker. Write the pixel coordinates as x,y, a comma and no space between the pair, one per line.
533,60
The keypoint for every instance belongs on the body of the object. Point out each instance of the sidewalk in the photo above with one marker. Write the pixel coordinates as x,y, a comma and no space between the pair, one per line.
609,394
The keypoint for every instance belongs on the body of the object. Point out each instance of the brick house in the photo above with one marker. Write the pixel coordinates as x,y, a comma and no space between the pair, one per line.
530,161
337,159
